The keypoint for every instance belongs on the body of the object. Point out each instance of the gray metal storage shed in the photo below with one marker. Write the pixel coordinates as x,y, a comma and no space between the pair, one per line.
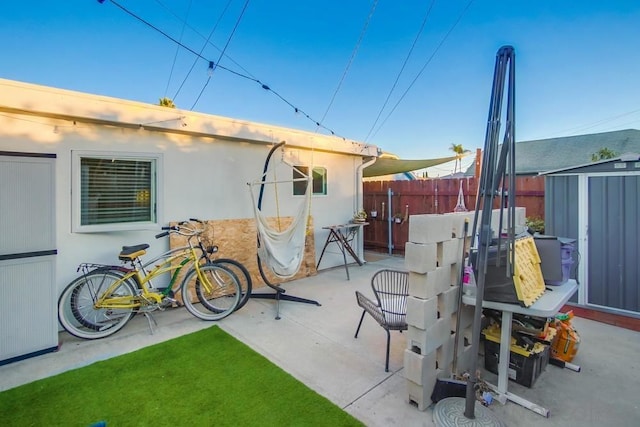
598,205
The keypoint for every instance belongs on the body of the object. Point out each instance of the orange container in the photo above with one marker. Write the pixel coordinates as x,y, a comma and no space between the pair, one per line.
566,342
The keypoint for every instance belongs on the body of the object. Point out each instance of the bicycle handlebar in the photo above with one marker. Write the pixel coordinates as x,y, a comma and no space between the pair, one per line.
181,229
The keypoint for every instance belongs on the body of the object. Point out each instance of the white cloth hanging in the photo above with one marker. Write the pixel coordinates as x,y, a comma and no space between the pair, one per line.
283,251
460,206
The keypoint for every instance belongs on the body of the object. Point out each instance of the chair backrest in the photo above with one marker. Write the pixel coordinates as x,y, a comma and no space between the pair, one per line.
391,288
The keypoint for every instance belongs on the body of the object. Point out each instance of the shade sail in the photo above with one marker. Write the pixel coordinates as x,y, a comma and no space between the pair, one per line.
386,166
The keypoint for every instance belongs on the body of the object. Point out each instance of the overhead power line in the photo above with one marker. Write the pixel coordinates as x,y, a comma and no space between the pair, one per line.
404,64
579,129
353,55
446,36
195,31
212,65
208,61
175,56
195,60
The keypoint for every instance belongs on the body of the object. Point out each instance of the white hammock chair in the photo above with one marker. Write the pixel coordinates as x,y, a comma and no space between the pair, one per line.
283,251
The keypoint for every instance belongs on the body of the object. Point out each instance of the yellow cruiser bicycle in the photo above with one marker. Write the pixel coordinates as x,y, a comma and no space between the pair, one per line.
105,297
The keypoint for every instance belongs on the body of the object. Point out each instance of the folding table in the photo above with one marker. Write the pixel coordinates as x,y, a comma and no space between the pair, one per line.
343,235
547,305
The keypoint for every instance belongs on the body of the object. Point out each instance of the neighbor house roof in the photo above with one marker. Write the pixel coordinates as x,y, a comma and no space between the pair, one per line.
543,155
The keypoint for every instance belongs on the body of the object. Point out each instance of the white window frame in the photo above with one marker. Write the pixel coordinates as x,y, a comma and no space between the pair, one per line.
156,160
324,180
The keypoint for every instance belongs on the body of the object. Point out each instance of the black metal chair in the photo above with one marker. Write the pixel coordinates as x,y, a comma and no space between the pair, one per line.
391,288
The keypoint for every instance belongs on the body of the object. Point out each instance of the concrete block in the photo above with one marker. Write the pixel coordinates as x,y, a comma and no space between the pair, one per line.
425,341
428,285
422,313
430,228
519,220
448,302
420,395
466,317
454,274
418,368
420,258
449,252
457,222
465,357
444,356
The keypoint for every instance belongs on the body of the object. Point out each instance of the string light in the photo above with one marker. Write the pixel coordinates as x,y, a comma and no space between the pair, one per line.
198,55
210,69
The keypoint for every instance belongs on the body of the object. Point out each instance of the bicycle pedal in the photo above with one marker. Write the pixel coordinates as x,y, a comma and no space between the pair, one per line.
148,308
168,302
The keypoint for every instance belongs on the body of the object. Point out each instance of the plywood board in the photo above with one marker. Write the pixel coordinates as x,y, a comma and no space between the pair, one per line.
237,239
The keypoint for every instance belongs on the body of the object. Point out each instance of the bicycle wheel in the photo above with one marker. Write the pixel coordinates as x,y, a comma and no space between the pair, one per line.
79,316
244,278
215,299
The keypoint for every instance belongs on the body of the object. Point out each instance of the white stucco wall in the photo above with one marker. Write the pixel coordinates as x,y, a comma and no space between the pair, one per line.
207,162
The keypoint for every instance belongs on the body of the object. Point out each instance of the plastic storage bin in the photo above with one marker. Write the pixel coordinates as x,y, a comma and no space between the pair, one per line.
525,366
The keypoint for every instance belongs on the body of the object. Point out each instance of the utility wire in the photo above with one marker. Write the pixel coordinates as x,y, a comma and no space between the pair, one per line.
404,64
455,24
124,9
353,55
213,65
199,55
175,56
202,36
582,128
195,60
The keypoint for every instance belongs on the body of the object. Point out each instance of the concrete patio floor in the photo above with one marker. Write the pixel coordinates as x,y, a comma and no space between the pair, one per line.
317,346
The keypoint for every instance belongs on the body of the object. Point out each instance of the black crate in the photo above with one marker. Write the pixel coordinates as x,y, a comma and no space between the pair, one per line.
524,370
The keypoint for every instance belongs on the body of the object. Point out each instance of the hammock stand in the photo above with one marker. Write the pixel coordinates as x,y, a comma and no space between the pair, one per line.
279,294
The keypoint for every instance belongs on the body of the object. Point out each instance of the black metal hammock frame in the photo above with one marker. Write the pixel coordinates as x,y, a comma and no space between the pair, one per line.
279,294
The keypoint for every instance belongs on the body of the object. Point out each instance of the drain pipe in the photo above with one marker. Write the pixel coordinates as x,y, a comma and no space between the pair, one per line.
359,206
389,222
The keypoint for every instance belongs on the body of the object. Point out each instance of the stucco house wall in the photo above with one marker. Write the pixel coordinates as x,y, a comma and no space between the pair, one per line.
206,162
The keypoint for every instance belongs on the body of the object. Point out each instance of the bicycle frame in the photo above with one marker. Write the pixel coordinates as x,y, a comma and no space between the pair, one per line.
173,260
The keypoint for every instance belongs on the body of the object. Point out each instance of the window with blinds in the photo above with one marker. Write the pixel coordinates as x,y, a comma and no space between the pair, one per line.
114,192
318,183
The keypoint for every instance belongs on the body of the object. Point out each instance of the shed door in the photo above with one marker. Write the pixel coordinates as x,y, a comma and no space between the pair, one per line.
614,244
28,319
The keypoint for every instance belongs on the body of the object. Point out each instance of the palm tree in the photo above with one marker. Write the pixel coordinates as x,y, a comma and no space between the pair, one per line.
603,154
166,102
460,152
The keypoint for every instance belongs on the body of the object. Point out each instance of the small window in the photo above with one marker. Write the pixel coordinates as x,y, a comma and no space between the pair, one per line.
319,181
115,192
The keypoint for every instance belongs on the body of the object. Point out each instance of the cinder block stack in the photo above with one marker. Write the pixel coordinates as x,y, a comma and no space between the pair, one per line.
433,255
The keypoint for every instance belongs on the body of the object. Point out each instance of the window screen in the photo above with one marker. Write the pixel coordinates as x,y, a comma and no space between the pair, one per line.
319,181
116,191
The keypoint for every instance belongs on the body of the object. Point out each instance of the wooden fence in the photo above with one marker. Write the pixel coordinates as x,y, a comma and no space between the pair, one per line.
426,197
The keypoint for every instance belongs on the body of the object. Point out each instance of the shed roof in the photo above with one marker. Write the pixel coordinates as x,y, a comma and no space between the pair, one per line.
625,162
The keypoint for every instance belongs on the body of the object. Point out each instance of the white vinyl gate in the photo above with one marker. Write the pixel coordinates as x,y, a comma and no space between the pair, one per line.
28,314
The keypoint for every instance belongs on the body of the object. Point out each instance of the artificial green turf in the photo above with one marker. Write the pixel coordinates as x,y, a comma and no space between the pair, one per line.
207,378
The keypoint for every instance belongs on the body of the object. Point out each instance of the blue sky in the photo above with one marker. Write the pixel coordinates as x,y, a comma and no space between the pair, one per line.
577,62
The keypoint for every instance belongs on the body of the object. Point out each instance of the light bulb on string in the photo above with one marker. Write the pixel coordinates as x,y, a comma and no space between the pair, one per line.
210,69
